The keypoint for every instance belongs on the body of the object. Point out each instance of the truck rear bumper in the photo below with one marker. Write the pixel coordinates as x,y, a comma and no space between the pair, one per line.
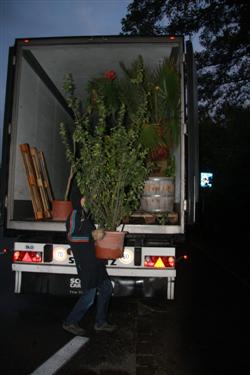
64,280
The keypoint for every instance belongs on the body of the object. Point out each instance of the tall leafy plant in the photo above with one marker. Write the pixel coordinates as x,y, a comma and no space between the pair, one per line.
66,132
110,163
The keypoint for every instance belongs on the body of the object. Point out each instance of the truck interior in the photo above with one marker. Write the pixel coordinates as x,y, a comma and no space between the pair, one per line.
39,107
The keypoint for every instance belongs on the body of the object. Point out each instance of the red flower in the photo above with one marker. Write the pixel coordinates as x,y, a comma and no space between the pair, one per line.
110,74
159,153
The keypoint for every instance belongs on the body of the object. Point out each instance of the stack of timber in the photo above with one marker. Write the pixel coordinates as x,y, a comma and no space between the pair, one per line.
38,181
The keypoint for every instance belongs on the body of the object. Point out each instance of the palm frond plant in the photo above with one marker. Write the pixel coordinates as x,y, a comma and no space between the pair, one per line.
160,89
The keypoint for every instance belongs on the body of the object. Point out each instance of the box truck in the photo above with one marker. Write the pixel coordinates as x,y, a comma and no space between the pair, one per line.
35,106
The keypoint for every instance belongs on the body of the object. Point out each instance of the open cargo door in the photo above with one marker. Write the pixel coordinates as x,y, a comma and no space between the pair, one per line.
193,136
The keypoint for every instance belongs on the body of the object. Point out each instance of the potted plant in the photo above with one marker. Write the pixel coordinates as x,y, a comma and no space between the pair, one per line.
157,92
152,100
110,166
142,107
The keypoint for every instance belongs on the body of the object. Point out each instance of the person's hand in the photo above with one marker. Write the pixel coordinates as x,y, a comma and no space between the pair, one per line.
98,234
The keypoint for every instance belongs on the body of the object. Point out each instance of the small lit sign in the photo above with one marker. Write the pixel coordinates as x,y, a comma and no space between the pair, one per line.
128,256
206,180
60,254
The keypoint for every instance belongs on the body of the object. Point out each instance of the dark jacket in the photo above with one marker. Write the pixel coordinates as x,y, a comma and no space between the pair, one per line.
91,271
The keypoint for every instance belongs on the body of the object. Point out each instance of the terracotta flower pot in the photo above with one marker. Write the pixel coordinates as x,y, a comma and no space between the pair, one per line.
111,246
61,210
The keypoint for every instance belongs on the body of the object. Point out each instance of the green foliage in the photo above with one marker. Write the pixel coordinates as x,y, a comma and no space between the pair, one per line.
111,169
151,97
109,146
109,163
165,102
170,168
108,89
156,94
149,136
66,131
133,90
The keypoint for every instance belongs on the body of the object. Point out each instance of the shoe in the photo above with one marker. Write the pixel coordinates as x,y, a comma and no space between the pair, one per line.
74,328
105,327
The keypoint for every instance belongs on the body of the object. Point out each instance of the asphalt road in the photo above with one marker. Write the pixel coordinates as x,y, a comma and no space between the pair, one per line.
204,331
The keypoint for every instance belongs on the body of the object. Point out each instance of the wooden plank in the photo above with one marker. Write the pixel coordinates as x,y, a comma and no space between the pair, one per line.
40,182
32,182
46,180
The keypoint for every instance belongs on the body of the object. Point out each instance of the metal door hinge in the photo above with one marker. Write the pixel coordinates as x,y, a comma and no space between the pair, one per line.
185,128
185,205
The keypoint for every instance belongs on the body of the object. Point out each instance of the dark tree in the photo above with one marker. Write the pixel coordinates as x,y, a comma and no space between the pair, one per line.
144,17
223,30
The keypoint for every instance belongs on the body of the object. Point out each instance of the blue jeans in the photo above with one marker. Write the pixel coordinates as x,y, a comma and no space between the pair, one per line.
87,300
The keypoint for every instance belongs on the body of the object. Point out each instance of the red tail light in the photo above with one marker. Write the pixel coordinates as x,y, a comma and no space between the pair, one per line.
157,261
27,256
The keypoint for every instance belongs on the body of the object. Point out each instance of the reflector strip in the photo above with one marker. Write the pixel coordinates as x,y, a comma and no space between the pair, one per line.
159,263
58,360
27,257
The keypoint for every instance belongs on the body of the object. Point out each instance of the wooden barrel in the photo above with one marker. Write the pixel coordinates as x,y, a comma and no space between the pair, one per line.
158,195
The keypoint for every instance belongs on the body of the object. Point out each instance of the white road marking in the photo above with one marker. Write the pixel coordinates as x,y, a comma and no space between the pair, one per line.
61,357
